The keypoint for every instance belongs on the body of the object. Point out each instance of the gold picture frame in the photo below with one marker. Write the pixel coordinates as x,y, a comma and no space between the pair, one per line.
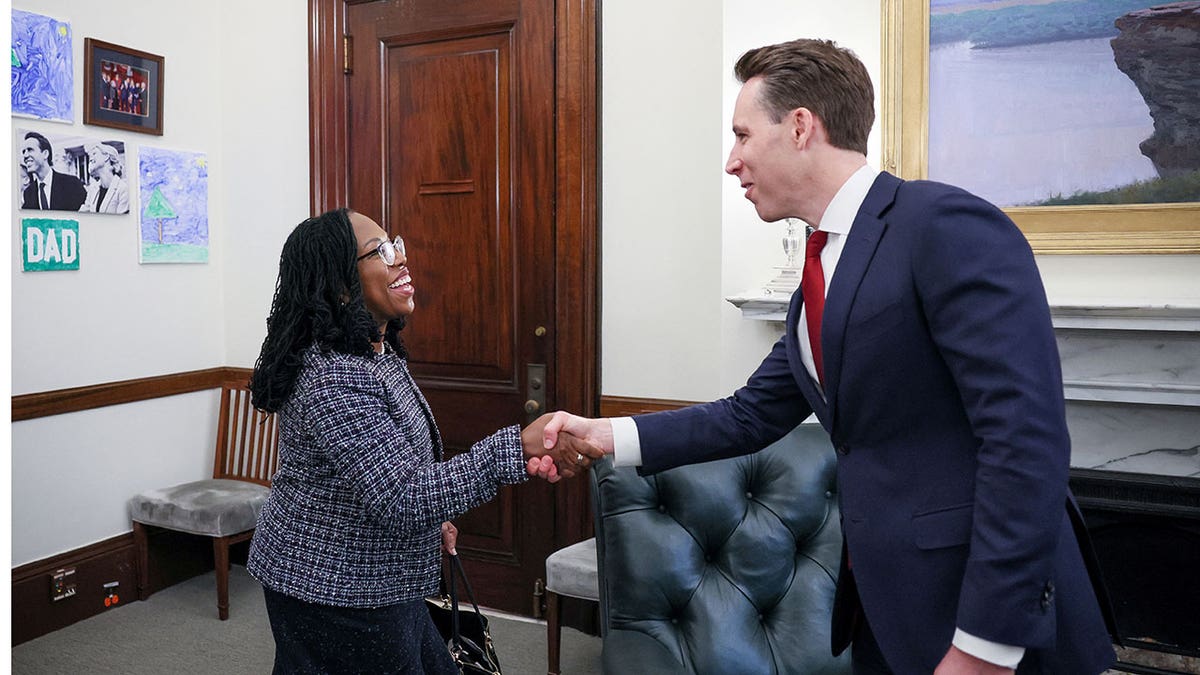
904,117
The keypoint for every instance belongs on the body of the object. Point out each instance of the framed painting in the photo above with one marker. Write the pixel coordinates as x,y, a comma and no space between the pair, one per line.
43,71
1077,117
173,205
122,88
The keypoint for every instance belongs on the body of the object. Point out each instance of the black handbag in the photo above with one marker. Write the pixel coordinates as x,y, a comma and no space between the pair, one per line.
465,631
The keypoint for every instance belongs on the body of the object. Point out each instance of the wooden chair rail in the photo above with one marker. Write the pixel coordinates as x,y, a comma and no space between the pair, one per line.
75,399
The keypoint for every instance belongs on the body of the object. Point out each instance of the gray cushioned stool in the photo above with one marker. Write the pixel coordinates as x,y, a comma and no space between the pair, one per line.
570,571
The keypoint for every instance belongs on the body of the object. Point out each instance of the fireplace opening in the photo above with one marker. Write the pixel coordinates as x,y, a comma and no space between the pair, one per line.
1146,533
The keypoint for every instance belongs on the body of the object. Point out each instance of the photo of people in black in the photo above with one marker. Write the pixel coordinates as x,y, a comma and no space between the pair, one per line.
124,88
71,173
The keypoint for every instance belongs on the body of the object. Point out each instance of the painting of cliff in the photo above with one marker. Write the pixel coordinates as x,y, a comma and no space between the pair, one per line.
173,206
1051,102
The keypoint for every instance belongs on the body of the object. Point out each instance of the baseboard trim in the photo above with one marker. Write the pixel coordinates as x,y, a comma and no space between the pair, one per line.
174,557
97,566
115,544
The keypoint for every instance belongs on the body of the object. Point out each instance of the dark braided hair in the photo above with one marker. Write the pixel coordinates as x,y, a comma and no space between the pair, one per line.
318,300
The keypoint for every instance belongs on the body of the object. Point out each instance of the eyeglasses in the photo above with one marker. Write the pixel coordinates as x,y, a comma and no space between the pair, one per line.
387,250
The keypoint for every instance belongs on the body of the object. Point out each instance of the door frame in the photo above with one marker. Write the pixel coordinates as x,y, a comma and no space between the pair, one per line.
577,198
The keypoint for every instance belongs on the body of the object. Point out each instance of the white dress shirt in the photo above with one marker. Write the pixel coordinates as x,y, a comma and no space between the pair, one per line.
836,221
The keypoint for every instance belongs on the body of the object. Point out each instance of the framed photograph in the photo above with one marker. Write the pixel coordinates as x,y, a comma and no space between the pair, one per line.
65,172
122,88
1065,113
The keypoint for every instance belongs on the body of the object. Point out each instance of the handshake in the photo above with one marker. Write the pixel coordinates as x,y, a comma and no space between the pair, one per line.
560,445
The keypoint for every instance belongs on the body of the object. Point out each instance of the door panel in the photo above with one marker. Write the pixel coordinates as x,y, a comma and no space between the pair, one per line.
449,192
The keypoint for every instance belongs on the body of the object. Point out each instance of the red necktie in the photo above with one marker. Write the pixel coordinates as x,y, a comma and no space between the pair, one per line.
812,290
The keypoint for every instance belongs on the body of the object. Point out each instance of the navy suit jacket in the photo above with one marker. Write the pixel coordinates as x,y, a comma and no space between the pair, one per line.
944,400
67,193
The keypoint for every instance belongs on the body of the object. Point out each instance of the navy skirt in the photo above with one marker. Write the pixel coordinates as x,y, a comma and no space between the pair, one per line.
312,638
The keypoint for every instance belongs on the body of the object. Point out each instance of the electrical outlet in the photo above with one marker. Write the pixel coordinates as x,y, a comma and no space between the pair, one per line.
110,593
62,584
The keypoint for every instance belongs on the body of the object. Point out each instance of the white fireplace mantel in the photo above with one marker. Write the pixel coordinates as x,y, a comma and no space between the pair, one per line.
773,307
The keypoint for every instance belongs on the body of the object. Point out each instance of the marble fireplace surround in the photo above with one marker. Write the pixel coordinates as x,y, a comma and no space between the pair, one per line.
1132,381
1131,376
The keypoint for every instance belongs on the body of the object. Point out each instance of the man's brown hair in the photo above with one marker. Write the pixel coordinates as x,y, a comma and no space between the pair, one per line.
818,75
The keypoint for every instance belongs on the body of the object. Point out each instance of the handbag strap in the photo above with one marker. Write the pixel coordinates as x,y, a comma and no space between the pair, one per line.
456,570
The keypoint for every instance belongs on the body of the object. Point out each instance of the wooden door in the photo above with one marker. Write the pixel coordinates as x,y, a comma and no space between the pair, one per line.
452,139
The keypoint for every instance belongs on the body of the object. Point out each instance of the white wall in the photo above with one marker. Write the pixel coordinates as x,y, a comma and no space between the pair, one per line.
667,332
236,89
264,135
114,319
661,205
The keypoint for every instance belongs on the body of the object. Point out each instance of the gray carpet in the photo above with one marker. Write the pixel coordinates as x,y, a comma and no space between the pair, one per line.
176,632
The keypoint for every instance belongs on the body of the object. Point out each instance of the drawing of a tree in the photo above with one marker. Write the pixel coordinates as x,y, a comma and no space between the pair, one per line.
159,208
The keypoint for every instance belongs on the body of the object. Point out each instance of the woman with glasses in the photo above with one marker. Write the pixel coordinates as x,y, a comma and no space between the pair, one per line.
347,545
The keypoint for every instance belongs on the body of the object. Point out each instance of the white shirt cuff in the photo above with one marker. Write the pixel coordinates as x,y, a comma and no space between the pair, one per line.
627,445
1006,656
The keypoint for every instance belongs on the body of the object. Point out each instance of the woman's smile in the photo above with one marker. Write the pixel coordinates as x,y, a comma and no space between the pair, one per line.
402,284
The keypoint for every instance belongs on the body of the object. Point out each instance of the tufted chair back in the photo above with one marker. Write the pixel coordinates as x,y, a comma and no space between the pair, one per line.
725,567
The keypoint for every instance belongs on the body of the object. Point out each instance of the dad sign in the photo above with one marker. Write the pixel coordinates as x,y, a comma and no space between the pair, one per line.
49,245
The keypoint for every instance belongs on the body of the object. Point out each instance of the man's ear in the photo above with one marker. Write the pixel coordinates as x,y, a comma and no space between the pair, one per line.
803,126
807,128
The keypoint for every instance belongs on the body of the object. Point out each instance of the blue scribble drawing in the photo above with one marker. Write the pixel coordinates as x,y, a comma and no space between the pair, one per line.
173,206
43,74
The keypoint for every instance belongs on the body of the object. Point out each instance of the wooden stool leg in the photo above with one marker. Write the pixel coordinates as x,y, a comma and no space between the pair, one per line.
221,562
141,548
553,632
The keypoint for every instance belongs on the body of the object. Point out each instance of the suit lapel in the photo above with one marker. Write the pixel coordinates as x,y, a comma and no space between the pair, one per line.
807,387
860,247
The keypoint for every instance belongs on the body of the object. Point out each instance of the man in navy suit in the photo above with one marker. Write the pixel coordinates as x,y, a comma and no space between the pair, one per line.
937,377
48,189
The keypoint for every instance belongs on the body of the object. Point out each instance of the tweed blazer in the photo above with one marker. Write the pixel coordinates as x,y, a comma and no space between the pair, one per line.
355,511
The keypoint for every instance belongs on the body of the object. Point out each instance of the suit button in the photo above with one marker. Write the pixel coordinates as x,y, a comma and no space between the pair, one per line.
1047,595
843,449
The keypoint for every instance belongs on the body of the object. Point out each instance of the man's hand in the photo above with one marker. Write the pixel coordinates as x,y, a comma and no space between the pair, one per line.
958,662
566,458
449,538
595,432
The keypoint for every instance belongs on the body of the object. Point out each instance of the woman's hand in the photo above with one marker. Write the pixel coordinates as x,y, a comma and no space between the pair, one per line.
565,458
449,538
